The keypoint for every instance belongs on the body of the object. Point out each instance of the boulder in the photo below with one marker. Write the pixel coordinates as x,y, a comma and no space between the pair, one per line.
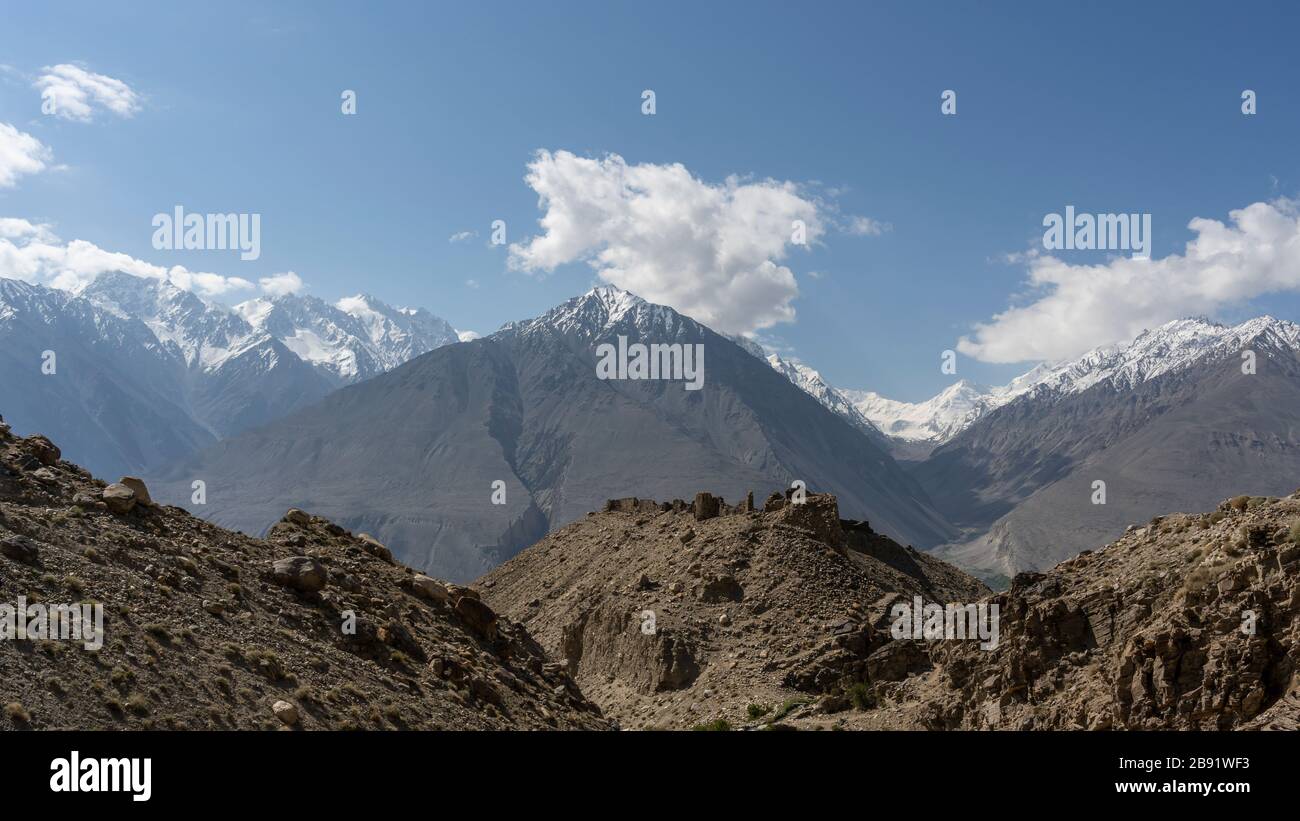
286,712
142,496
20,549
477,616
429,588
45,451
119,498
297,517
375,547
300,573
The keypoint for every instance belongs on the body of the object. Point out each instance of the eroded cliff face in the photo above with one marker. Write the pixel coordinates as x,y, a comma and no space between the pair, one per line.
1189,622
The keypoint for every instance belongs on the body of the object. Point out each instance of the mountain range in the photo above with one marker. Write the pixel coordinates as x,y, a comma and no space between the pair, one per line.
144,372
462,457
1166,422
296,401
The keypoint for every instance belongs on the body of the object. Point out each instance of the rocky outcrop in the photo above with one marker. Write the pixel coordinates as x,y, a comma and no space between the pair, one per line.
1189,622
673,614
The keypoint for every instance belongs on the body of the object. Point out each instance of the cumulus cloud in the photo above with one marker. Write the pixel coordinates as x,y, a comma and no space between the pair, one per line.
285,284
33,253
712,251
73,93
15,228
20,153
467,336
1071,309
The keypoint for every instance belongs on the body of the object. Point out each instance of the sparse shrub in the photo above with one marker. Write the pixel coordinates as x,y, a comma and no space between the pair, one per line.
1217,516
266,662
861,697
757,711
159,632
1239,503
788,706
138,704
1294,531
121,677
718,725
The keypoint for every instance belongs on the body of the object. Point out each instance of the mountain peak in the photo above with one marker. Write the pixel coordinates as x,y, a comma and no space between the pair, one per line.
595,313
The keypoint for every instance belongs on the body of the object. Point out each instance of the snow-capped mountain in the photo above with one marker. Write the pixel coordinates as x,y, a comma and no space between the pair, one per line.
1173,420
223,369
201,334
937,419
356,338
101,385
1153,353
601,309
527,408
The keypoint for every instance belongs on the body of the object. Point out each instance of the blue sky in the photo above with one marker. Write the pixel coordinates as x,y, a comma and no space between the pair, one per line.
1110,107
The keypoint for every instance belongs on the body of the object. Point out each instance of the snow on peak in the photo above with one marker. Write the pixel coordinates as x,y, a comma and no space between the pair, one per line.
1153,353
595,313
354,339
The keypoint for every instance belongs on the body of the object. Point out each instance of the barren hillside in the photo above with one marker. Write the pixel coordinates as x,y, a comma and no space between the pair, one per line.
208,629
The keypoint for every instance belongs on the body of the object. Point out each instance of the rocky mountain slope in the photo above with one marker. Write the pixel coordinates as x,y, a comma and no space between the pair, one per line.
208,629
146,372
464,456
1189,622
672,615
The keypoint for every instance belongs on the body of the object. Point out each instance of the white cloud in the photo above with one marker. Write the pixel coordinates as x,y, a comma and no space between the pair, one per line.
20,153
867,227
75,93
1075,308
471,283
712,251
467,336
31,252
15,228
285,284
462,236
